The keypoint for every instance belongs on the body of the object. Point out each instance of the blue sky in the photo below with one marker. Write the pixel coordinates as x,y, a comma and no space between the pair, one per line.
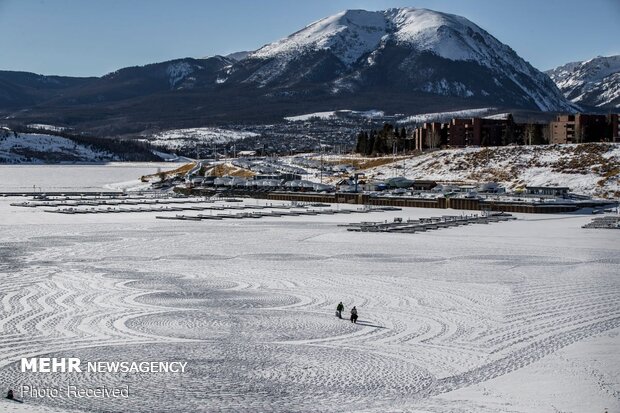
91,38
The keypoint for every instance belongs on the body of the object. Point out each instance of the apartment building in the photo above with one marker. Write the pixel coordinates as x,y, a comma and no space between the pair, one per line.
579,128
573,128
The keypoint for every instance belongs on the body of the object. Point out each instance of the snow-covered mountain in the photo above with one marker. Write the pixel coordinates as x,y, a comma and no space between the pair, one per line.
236,56
405,60
348,35
594,82
413,49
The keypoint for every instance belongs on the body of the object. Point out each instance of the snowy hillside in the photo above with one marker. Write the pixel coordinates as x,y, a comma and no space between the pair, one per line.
42,126
176,139
487,113
349,34
592,169
361,40
177,72
454,38
236,56
352,34
367,114
41,148
446,116
594,82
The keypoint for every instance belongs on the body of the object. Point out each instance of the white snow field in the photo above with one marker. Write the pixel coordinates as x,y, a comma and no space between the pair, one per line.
56,177
373,113
521,316
447,116
179,138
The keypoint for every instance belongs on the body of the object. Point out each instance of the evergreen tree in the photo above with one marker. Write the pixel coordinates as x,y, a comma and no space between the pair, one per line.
360,147
508,136
371,143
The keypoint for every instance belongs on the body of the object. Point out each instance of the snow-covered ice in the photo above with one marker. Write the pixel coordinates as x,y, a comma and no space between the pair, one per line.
522,316
53,177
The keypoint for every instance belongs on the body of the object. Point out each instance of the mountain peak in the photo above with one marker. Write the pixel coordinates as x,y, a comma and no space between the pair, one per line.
348,43
593,82
348,34
351,34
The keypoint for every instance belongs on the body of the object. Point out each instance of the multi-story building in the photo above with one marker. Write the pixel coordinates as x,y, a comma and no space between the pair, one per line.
429,136
578,128
460,132
482,132
562,129
612,124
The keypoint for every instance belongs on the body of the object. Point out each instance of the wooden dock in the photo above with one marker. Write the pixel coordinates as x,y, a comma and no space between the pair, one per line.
427,224
271,214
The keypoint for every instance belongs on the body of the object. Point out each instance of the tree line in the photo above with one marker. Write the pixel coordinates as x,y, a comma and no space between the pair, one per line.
384,141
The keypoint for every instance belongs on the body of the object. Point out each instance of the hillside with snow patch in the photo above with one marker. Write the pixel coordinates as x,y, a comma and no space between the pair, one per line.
592,169
42,148
447,116
366,114
188,139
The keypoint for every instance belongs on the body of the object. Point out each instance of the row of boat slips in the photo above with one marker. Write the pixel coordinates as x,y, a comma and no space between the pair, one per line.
425,224
277,214
111,202
207,206
606,222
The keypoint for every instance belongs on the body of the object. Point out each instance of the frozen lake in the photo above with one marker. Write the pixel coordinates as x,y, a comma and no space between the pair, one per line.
75,177
522,316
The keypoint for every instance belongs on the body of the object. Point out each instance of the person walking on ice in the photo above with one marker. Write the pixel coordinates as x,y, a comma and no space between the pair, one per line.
354,315
339,310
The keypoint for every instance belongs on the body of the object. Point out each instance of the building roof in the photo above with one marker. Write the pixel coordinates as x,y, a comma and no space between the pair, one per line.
547,187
